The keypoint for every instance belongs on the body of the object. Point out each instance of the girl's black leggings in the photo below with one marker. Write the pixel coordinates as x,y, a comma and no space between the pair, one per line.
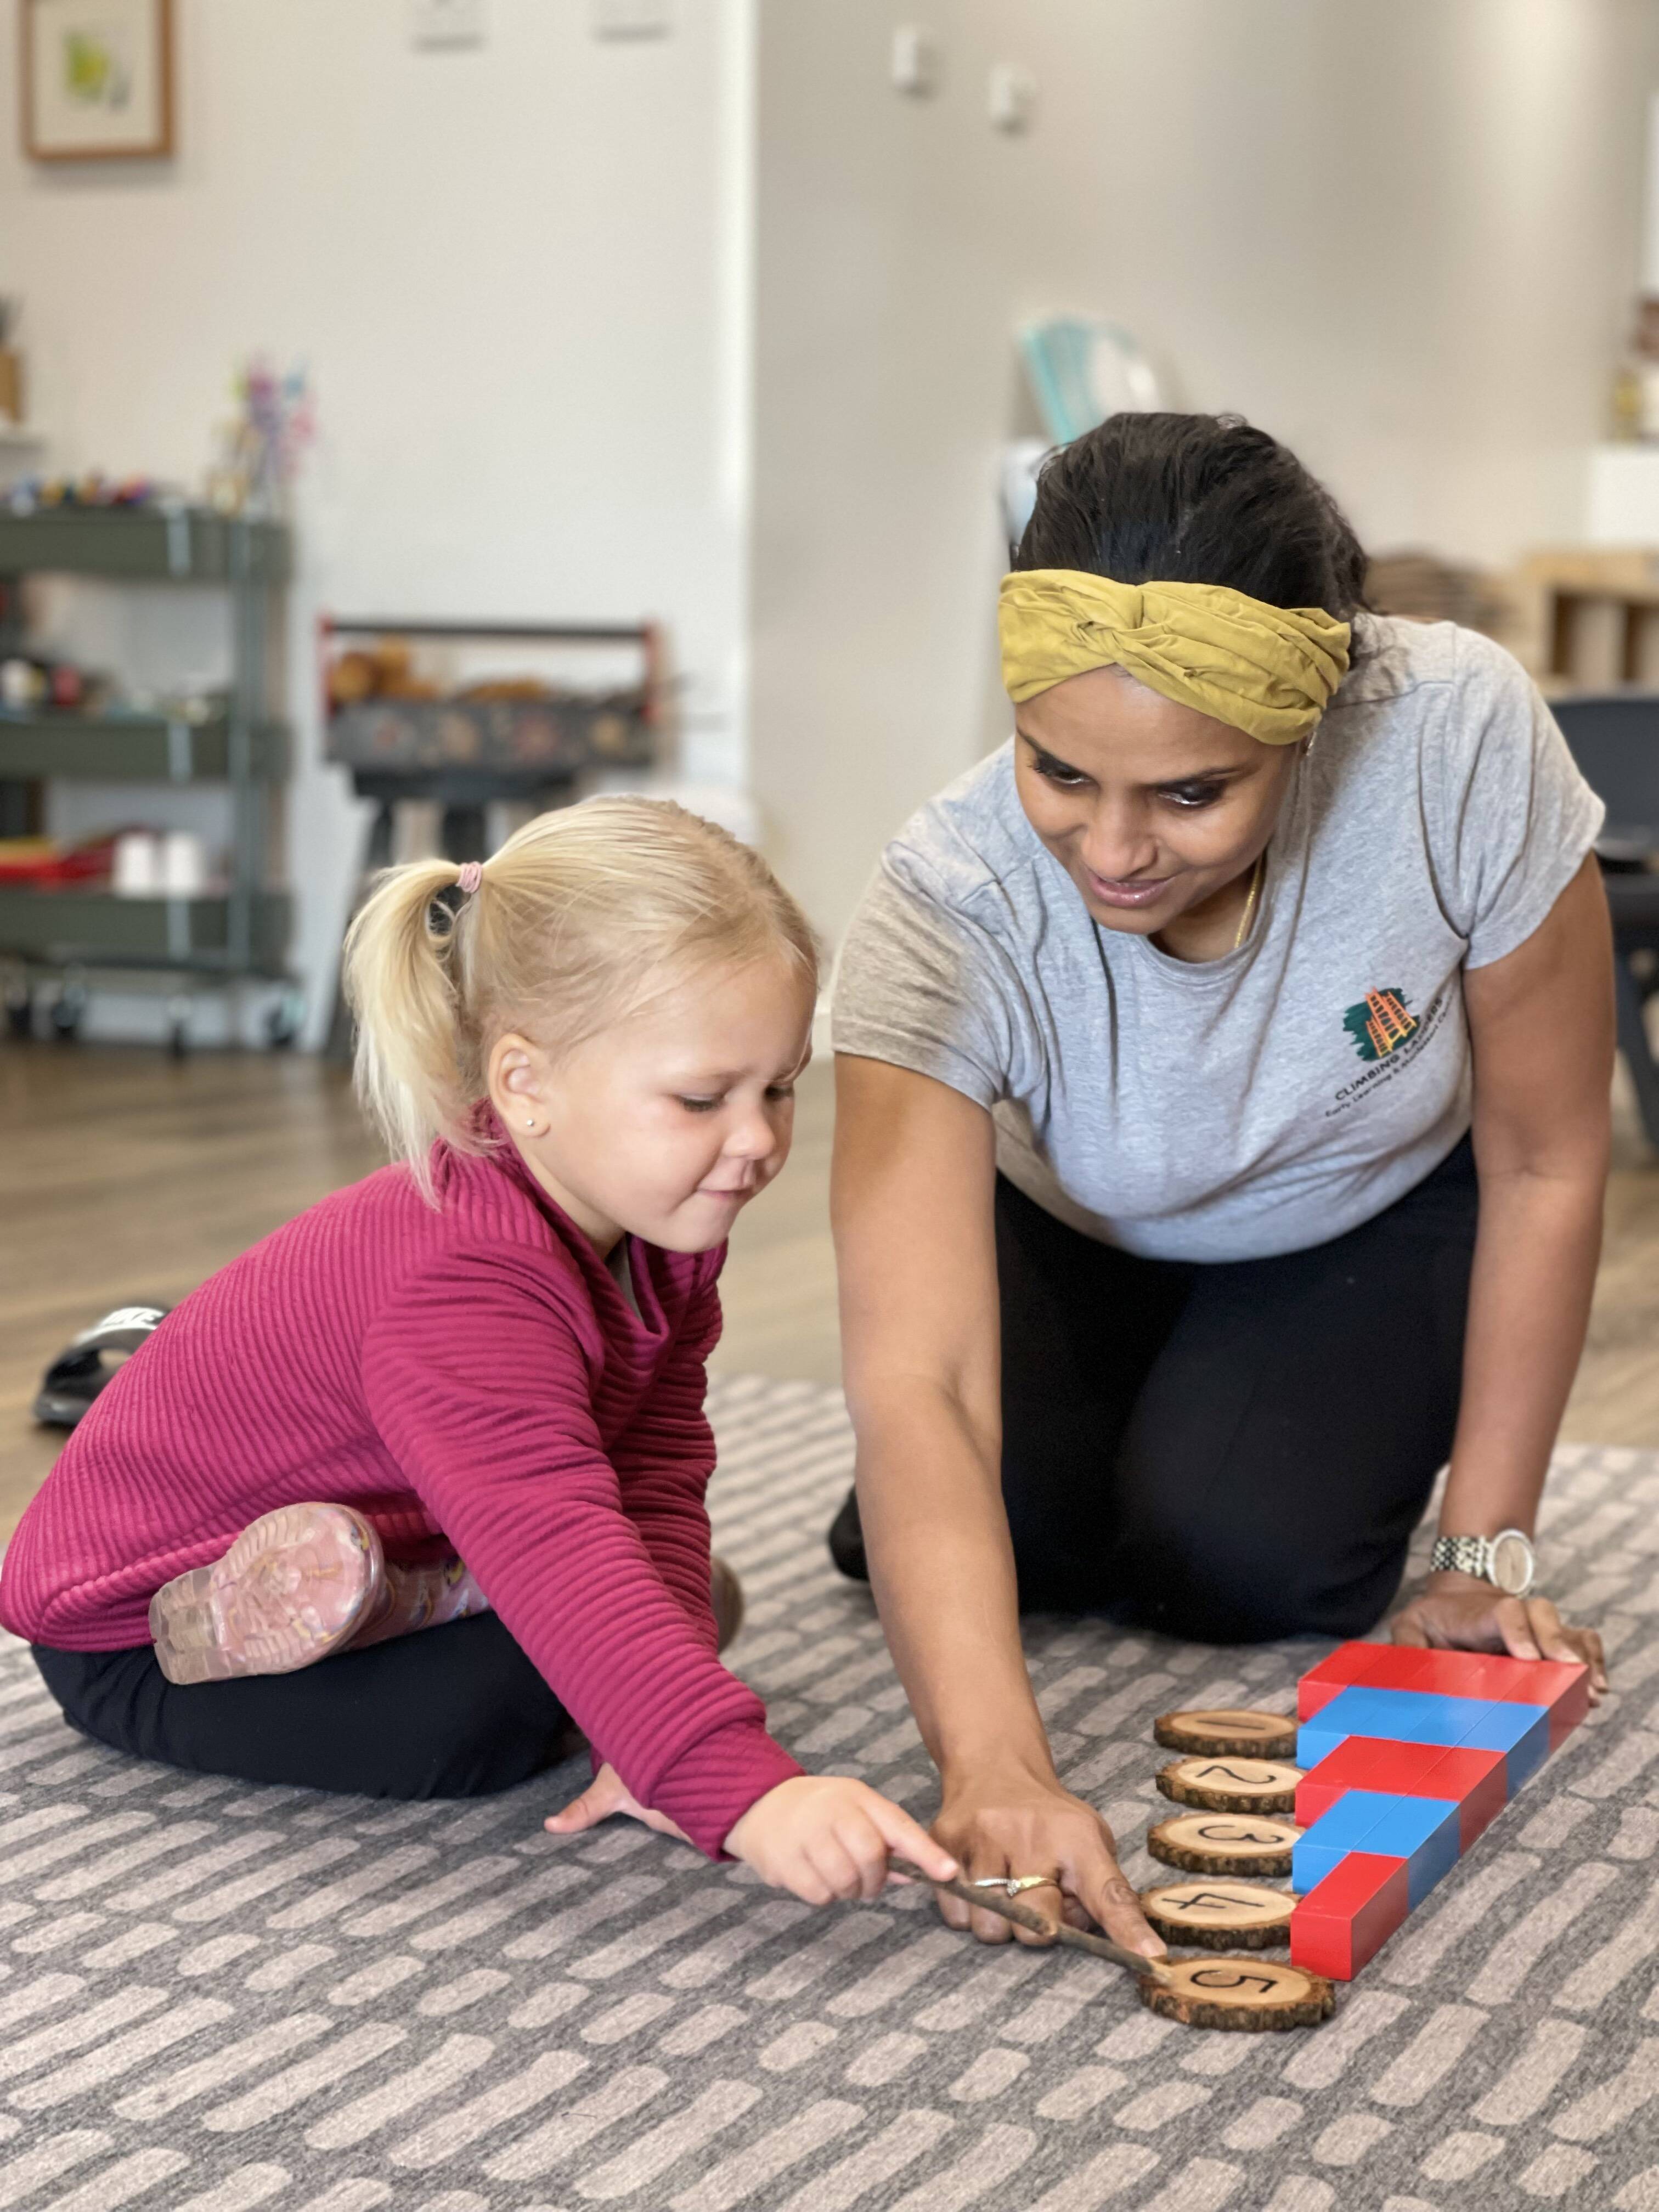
1233,1451
458,1712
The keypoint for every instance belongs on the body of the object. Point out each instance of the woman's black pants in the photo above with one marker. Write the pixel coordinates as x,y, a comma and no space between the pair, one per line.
1233,1451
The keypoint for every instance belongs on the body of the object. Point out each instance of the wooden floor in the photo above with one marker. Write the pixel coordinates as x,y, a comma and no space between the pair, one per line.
126,1176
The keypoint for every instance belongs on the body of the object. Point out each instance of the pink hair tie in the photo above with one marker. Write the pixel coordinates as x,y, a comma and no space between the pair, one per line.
471,876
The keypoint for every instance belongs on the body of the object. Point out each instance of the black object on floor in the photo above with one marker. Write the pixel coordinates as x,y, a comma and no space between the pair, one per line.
76,1376
847,1541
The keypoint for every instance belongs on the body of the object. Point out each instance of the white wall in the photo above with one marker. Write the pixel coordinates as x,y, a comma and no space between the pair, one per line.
519,276
1400,233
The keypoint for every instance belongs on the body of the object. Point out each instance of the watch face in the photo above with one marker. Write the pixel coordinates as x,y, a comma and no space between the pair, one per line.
1511,1563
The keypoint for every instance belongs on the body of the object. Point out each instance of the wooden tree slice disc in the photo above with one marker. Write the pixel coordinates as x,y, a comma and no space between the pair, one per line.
1251,1994
1215,1732
1234,1784
1225,1843
1222,1915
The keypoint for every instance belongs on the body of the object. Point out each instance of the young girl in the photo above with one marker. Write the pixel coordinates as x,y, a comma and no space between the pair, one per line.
249,1558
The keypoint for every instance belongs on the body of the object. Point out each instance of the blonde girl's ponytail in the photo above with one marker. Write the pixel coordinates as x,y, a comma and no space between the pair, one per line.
579,917
398,973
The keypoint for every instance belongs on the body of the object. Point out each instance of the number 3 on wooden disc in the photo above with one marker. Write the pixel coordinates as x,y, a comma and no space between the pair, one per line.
1251,1994
1225,1843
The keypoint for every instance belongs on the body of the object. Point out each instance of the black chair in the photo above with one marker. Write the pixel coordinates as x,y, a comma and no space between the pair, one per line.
1614,738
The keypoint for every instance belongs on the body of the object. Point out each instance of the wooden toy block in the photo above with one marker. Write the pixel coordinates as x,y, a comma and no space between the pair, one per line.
1422,1831
1419,1717
1312,1696
1346,1921
1345,1827
1476,1781
1521,1732
1562,1689
1368,1665
1408,1754
1350,1663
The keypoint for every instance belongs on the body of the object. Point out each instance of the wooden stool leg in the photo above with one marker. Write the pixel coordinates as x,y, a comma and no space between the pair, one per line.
1633,1043
377,854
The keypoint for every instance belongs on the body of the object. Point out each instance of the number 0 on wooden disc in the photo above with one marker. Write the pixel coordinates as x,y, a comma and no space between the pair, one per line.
1225,1843
1217,1731
1232,1785
1222,1915
1239,1993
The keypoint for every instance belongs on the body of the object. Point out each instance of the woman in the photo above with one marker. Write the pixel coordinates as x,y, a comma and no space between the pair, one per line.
1223,1077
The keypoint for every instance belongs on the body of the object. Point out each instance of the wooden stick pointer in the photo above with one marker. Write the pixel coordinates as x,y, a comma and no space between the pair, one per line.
1024,1916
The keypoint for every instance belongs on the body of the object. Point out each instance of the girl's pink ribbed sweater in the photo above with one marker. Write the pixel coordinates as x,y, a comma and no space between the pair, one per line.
474,1374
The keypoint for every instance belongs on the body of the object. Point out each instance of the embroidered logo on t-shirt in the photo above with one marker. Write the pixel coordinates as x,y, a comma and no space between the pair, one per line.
1380,1024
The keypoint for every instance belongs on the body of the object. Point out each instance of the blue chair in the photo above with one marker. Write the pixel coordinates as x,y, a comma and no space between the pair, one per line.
1614,738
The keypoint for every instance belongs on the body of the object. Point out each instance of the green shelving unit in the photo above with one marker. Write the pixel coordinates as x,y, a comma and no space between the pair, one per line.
135,748
240,934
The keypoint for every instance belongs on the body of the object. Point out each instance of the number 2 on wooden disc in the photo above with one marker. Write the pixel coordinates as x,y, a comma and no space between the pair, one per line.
1234,1784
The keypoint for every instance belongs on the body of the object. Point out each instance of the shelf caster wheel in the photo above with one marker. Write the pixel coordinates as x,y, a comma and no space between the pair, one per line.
179,1011
19,1011
68,1012
284,1021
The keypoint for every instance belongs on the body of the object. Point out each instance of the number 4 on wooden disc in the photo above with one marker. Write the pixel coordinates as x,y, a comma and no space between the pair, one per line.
1223,1916
1251,1994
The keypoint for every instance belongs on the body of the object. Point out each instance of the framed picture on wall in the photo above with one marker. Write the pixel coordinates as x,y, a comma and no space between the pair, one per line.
97,79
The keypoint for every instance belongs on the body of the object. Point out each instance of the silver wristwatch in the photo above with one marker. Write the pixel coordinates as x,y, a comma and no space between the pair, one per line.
1506,1560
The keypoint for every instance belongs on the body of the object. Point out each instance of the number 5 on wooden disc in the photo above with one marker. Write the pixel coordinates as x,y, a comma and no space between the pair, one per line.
1251,1994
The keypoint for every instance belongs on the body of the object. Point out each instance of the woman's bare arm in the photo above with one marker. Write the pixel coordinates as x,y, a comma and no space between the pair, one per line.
1541,1029
913,1200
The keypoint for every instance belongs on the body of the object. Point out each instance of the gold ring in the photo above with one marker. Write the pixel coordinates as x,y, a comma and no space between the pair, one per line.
1012,1884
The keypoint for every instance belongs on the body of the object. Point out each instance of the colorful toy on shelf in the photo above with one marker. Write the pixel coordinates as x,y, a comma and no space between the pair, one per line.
1406,1755
261,446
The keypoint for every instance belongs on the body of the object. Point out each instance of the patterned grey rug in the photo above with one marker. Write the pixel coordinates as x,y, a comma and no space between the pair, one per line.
214,1997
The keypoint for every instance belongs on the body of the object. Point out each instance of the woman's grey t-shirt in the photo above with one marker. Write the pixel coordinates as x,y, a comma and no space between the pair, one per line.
1278,1096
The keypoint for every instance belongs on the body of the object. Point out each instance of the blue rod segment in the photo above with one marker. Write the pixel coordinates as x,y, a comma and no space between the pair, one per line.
1423,1716
1424,1832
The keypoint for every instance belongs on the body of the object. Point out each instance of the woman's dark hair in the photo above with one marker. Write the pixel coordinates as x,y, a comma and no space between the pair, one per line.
1194,499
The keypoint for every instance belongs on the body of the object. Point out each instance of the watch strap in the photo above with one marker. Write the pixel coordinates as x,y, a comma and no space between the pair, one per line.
1462,1555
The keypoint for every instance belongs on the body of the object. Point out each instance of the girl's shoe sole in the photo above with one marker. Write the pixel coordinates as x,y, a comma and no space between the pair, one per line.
292,1589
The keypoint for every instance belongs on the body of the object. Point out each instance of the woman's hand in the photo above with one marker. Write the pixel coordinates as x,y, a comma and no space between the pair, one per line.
826,1838
1027,1826
607,1793
1463,1613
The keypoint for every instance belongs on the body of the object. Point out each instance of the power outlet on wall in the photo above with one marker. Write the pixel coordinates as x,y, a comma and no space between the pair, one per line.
1013,98
448,22
632,19
917,61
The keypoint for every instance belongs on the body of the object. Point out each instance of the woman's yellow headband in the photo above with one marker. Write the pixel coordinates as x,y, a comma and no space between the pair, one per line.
1268,671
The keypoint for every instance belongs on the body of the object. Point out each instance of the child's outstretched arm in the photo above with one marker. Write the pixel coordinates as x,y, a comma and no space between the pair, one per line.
480,1385
826,1836
823,1836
